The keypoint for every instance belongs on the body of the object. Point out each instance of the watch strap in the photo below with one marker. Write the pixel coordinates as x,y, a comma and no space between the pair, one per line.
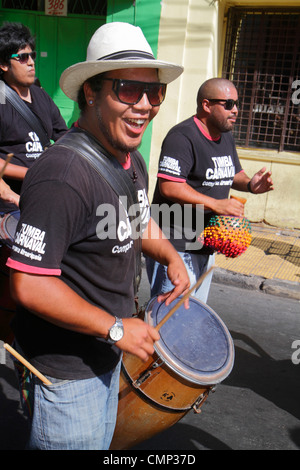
118,320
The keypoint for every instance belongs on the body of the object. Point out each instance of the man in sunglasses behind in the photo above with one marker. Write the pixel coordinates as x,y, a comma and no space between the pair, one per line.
74,255
198,165
17,68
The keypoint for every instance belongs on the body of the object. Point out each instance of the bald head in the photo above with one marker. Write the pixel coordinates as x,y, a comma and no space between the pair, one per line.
214,88
212,98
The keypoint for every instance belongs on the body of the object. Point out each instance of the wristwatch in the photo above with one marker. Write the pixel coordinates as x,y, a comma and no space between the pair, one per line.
116,332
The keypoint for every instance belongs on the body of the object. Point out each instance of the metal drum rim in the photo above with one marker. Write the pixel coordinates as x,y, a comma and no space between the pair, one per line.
205,378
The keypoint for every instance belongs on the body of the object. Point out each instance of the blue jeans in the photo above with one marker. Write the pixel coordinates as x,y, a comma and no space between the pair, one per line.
71,414
195,264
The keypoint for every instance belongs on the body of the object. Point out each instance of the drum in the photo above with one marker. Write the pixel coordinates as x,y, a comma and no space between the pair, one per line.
8,224
195,352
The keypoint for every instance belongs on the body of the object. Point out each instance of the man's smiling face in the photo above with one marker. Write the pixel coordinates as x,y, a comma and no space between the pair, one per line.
121,126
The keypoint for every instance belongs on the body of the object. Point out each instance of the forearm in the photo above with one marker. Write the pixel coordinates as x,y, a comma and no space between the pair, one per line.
241,181
185,194
68,310
64,307
156,245
14,171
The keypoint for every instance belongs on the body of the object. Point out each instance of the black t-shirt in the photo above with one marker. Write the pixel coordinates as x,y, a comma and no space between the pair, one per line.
17,136
73,226
208,166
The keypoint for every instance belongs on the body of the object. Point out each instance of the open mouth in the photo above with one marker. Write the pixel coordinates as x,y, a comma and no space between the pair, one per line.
136,123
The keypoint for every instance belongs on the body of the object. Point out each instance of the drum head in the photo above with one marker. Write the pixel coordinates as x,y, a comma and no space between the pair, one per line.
8,227
194,342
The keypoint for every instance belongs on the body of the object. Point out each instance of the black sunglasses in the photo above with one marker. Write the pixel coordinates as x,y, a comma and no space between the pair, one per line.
228,104
131,91
24,57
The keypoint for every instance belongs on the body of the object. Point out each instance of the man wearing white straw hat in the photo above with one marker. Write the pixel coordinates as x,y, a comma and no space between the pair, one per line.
77,244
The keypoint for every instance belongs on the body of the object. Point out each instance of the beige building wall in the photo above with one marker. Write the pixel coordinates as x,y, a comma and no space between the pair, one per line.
191,34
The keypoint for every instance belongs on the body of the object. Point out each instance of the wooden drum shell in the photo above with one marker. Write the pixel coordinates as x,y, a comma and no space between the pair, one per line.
152,406
155,395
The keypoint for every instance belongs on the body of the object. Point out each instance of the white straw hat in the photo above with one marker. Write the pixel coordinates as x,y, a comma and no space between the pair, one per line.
115,46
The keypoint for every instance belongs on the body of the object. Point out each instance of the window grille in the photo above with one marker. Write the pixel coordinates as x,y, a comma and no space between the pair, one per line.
22,4
262,58
87,7
79,7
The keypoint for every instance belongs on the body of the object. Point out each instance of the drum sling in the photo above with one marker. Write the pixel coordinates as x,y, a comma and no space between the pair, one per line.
25,112
111,171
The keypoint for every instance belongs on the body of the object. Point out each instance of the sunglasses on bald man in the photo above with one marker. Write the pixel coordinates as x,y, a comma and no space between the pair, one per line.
228,104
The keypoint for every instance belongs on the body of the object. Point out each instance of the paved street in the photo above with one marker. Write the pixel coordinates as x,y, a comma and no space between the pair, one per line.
257,407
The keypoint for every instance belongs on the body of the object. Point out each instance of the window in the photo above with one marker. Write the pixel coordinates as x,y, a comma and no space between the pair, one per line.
87,7
262,58
79,7
23,4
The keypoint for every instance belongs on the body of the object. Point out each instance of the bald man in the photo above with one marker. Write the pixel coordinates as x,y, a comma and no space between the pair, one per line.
198,165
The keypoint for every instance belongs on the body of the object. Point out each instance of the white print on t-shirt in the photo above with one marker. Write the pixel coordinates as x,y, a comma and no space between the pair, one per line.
131,223
122,249
144,207
170,165
223,168
34,147
32,239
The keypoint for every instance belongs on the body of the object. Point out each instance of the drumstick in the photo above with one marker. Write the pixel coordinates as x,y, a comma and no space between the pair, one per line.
184,298
8,159
27,364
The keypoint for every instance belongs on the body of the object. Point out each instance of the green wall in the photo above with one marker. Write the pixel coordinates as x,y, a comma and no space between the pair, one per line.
61,42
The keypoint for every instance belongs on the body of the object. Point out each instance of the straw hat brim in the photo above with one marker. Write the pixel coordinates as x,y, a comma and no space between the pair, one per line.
75,75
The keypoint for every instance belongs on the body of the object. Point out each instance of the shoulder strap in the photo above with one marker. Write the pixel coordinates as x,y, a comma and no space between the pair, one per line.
138,163
26,113
108,168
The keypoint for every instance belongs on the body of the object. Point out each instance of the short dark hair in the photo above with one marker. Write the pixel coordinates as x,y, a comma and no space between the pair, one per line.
95,83
13,37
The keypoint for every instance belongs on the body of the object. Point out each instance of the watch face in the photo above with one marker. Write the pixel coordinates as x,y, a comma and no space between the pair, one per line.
116,333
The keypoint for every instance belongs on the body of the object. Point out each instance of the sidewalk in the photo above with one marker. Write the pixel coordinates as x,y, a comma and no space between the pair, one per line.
271,263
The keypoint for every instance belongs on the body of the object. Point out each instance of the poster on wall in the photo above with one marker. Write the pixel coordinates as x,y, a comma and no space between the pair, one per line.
56,7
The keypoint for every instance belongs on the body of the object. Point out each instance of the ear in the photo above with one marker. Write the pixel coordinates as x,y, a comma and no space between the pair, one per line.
89,94
4,68
205,105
